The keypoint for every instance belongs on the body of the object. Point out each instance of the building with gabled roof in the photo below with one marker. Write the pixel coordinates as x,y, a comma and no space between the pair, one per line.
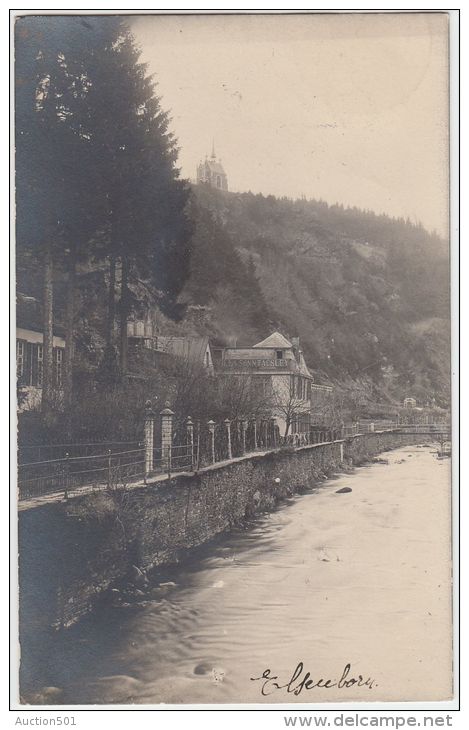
149,347
279,368
274,340
191,349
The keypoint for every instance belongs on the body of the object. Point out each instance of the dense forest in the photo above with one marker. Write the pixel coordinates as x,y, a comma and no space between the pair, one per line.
368,295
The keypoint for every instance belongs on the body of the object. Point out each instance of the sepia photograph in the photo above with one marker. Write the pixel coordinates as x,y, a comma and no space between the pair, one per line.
231,241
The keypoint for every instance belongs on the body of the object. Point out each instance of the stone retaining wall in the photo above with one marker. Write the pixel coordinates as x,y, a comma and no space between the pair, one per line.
72,552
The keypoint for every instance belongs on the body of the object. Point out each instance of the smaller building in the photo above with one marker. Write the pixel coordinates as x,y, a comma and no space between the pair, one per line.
410,403
195,350
30,354
211,172
155,349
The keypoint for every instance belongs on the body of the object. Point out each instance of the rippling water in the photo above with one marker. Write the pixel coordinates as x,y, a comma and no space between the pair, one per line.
328,579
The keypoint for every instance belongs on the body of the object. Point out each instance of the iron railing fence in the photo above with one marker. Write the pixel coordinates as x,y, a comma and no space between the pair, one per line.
177,458
50,452
101,471
424,427
200,445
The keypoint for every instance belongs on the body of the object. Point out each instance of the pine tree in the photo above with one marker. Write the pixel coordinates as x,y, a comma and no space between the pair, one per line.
42,137
57,196
96,169
148,232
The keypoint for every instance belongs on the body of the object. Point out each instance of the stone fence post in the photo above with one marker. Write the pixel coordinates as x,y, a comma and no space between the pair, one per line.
211,430
228,436
190,439
148,438
167,435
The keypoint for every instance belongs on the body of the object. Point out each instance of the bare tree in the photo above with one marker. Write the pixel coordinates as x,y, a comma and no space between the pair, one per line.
331,411
240,397
288,405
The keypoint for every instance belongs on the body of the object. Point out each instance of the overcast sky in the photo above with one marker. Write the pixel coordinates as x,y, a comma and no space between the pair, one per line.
347,108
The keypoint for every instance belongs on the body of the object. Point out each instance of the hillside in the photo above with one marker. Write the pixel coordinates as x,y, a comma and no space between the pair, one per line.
368,295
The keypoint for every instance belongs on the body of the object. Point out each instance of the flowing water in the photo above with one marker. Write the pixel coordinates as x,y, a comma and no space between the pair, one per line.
360,578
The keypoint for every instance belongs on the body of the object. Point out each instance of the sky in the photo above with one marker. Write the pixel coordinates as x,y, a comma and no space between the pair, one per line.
347,108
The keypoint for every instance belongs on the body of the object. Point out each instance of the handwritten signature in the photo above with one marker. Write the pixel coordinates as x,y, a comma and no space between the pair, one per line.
301,680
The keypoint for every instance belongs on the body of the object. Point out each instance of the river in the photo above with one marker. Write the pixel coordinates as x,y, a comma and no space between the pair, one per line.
360,578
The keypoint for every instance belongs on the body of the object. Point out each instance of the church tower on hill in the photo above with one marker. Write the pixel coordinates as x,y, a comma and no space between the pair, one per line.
211,171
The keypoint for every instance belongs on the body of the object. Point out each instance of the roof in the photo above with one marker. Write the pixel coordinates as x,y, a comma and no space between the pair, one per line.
190,348
215,166
29,315
275,340
302,367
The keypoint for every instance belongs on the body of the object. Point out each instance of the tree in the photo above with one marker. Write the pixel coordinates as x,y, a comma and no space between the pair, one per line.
331,410
96,175
239,397
148,232
46,93
219,276
287,404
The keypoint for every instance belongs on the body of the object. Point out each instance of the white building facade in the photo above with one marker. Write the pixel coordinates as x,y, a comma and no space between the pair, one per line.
278,367
29,366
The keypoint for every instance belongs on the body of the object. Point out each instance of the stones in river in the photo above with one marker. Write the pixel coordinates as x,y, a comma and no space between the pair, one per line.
344,490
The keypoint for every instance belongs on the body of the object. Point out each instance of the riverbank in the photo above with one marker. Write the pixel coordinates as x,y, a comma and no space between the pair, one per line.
72,553
327,578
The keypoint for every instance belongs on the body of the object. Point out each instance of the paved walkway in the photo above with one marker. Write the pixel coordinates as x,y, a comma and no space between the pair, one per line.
58,496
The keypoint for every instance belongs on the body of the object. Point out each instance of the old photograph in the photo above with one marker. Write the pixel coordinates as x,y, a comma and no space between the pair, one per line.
233,358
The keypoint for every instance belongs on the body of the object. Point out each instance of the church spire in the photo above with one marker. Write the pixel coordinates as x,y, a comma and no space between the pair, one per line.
211,171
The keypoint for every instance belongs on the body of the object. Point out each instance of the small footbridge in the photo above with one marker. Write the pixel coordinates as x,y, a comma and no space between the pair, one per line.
440,432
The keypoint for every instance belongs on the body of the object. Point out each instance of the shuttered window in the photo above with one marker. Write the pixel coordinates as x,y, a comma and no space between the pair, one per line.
30,364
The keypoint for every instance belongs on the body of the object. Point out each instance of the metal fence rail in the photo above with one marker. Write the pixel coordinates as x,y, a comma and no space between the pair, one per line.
190,448
49,452
71,473
77,469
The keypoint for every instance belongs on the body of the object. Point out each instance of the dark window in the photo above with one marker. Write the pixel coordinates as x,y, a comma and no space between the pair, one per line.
279,354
